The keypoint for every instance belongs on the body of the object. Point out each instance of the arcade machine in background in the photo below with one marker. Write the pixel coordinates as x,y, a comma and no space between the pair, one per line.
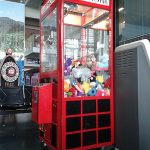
132,100
12,91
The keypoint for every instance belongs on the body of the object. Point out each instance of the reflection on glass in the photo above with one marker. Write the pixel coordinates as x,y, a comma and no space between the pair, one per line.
46,6
49,42
133,19
86,51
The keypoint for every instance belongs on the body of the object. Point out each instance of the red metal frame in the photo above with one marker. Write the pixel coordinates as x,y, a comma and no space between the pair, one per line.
59,102
42,104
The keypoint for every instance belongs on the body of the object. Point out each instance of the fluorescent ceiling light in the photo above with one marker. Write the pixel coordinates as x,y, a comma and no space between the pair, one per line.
120,9
21,1
101,25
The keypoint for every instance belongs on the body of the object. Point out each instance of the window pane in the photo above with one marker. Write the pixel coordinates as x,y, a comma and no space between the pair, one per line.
49,42
146,16
130,18
12,19
133,20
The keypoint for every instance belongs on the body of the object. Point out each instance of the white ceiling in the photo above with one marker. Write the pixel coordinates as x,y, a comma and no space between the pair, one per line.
29,3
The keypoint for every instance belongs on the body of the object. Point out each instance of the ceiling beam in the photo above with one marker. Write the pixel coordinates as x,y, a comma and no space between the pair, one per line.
32,13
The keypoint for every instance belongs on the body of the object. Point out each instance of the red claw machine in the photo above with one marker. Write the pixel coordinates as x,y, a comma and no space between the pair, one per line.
77,62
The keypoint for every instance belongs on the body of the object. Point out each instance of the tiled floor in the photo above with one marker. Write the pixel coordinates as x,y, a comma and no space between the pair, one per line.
18,132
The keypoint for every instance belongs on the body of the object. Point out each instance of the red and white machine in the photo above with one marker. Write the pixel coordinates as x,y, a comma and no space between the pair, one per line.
74,103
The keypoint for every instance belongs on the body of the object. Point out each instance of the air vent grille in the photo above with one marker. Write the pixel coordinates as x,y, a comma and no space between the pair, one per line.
124,59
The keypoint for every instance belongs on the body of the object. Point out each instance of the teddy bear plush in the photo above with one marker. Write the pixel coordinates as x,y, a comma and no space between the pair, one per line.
91,62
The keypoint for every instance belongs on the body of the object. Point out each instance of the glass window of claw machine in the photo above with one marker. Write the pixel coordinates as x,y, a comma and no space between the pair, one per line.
86,51
49,42
77,59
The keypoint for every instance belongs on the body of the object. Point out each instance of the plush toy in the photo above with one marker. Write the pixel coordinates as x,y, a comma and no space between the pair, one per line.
76,63
100,93
66,86
68,62
99,87
81,73
102,62
107,83
92,92
67,70
92,81
76,72
86,87
77,86
107,92
91,62
72,92
79,93
86,73
100,79
93,78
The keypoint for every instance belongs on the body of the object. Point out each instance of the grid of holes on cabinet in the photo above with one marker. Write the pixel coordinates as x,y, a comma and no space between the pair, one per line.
87,122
